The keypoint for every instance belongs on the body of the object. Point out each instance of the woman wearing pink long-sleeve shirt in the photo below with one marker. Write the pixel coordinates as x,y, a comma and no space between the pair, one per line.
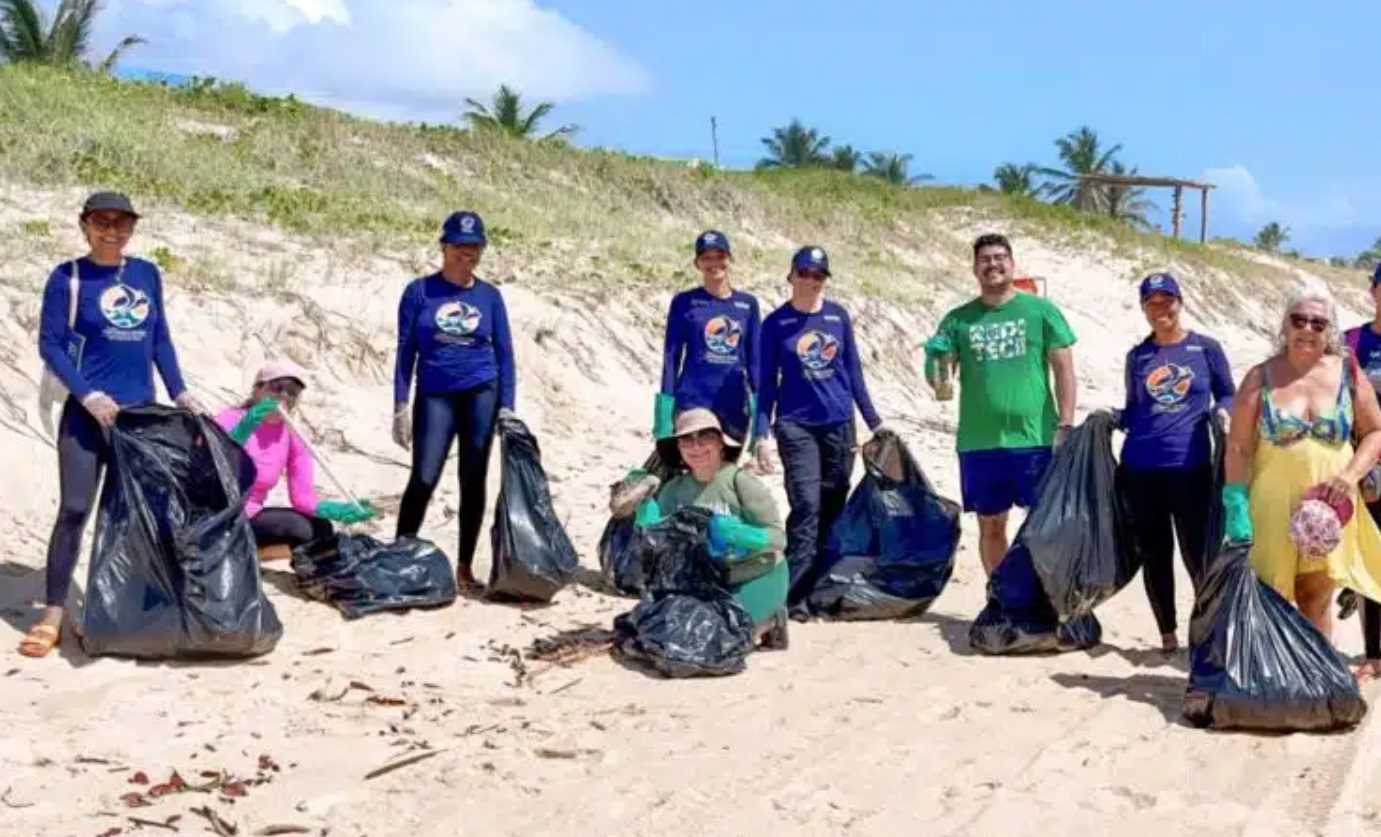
259,428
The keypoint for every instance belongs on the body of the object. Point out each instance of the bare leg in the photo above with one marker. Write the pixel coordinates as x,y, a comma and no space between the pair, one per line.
992,540
1314,593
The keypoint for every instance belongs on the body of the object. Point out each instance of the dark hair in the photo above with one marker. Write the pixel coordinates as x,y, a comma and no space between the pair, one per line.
991,240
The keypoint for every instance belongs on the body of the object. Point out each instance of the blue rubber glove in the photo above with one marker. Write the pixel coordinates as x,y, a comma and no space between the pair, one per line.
343,511
1237,522
663,416
731,535
253,417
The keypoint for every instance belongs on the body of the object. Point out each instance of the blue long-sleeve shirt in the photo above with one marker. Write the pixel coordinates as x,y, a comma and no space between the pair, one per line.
811,370
454,338
121,328
1170,393
710,354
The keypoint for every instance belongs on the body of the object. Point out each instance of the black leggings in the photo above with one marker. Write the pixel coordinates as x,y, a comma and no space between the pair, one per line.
818,461
1160,497
437,421
83,451
287,527
1371,611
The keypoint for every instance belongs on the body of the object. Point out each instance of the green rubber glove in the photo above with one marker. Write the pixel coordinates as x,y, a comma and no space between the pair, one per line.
752,440
731,535
343,511
936,347
663,416
250,421
649,514
1237,522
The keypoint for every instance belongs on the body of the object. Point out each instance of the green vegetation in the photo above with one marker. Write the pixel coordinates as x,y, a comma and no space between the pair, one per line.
505,115
1271,237
27,36
893,168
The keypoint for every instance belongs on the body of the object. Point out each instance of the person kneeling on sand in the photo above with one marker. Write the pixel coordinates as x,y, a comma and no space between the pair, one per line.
258,426
745,533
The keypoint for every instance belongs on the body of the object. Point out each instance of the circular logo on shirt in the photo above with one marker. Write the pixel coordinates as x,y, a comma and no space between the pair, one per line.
1169,383
458,318
817,349
124,307
723,335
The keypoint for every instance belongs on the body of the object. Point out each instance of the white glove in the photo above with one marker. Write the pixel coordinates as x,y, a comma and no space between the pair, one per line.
191,403
1226,418
402,427
102,408
505,413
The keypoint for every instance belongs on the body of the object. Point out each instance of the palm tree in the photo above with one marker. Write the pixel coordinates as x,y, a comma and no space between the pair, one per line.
1271,237
1012,179
1081,152
892,168
794,146
26,35
846,158
505,115
1127,203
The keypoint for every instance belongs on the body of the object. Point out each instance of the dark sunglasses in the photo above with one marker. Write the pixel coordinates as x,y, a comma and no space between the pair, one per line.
806,273
118,223
284,386
1317,324
699,437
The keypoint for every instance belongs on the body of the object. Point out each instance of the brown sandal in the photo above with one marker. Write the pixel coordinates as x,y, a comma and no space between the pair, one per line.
40,640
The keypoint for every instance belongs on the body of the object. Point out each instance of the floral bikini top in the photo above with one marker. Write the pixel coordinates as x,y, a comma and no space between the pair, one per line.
1281,428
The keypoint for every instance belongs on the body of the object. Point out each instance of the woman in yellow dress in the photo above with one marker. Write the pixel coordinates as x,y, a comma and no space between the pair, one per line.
1293,425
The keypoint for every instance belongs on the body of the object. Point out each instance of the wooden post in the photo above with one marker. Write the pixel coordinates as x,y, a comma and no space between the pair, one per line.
714,138
1203,215
1175,209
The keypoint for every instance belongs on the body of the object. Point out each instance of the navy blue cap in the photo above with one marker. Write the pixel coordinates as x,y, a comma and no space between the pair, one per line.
811,257
108,202
712,240
1160,283
1376,275
463,228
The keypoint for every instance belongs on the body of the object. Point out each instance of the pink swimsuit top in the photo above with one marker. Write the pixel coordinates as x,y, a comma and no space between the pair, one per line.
276,449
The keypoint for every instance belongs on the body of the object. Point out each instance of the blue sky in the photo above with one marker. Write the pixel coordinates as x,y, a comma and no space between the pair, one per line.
1279,104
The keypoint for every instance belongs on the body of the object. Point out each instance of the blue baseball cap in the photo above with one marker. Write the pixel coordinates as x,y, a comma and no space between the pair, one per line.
712,240
463,228
811,257
1160,283
1376,275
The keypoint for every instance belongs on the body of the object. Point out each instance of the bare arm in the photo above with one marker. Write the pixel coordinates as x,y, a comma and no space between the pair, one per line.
1368,417
1246,410
1066,385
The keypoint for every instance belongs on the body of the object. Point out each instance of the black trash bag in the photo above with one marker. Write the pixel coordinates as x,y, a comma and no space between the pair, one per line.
174,569
688,625
1079,534
533,555
891,552
359,575
1018,618
1256,663
619,562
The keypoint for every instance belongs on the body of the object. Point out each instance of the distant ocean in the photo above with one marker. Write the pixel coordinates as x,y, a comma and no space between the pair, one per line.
155,76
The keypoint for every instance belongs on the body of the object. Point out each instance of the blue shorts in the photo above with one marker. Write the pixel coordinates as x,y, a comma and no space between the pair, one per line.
992,481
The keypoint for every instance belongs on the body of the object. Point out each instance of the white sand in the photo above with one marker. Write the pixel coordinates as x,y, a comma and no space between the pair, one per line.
859,728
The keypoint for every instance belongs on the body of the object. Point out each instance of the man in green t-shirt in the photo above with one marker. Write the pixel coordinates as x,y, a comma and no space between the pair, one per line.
1005,343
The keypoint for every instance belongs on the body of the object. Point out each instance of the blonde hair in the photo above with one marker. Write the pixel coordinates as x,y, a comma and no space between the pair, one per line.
1319,295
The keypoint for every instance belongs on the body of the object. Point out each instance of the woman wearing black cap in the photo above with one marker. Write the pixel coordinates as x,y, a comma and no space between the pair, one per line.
812,376
453,334
710,351
102,330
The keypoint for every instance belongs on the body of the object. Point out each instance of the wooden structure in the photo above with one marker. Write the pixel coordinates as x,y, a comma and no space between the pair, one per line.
1176,208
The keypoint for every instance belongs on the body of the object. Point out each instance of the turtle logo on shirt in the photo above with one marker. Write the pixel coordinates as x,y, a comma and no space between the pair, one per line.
125,307
723,335
457,318
817,349
1169,383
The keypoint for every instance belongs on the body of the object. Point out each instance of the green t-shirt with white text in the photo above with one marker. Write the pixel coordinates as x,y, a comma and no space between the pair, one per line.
1005,400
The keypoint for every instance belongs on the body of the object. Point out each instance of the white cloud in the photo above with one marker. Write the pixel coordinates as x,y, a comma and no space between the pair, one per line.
1238,194
414,59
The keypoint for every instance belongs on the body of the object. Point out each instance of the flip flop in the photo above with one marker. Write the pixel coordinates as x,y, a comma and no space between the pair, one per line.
40,640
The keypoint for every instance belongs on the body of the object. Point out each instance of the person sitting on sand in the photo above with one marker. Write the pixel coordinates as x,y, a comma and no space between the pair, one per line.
746,529
258,426
1293,422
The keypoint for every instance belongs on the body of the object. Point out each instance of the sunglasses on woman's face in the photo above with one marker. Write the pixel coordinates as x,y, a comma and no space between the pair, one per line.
802,273
1317,324
700,437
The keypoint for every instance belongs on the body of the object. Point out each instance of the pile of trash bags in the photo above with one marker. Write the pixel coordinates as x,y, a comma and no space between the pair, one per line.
1074,551
360,575
174,569
891,552
533,556
620,563
687,624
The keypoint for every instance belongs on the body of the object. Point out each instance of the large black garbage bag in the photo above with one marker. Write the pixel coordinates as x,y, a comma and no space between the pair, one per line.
1079,534
1257,663
360,575
1018,618
688,625
891,552
533,555
174,571
619,561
